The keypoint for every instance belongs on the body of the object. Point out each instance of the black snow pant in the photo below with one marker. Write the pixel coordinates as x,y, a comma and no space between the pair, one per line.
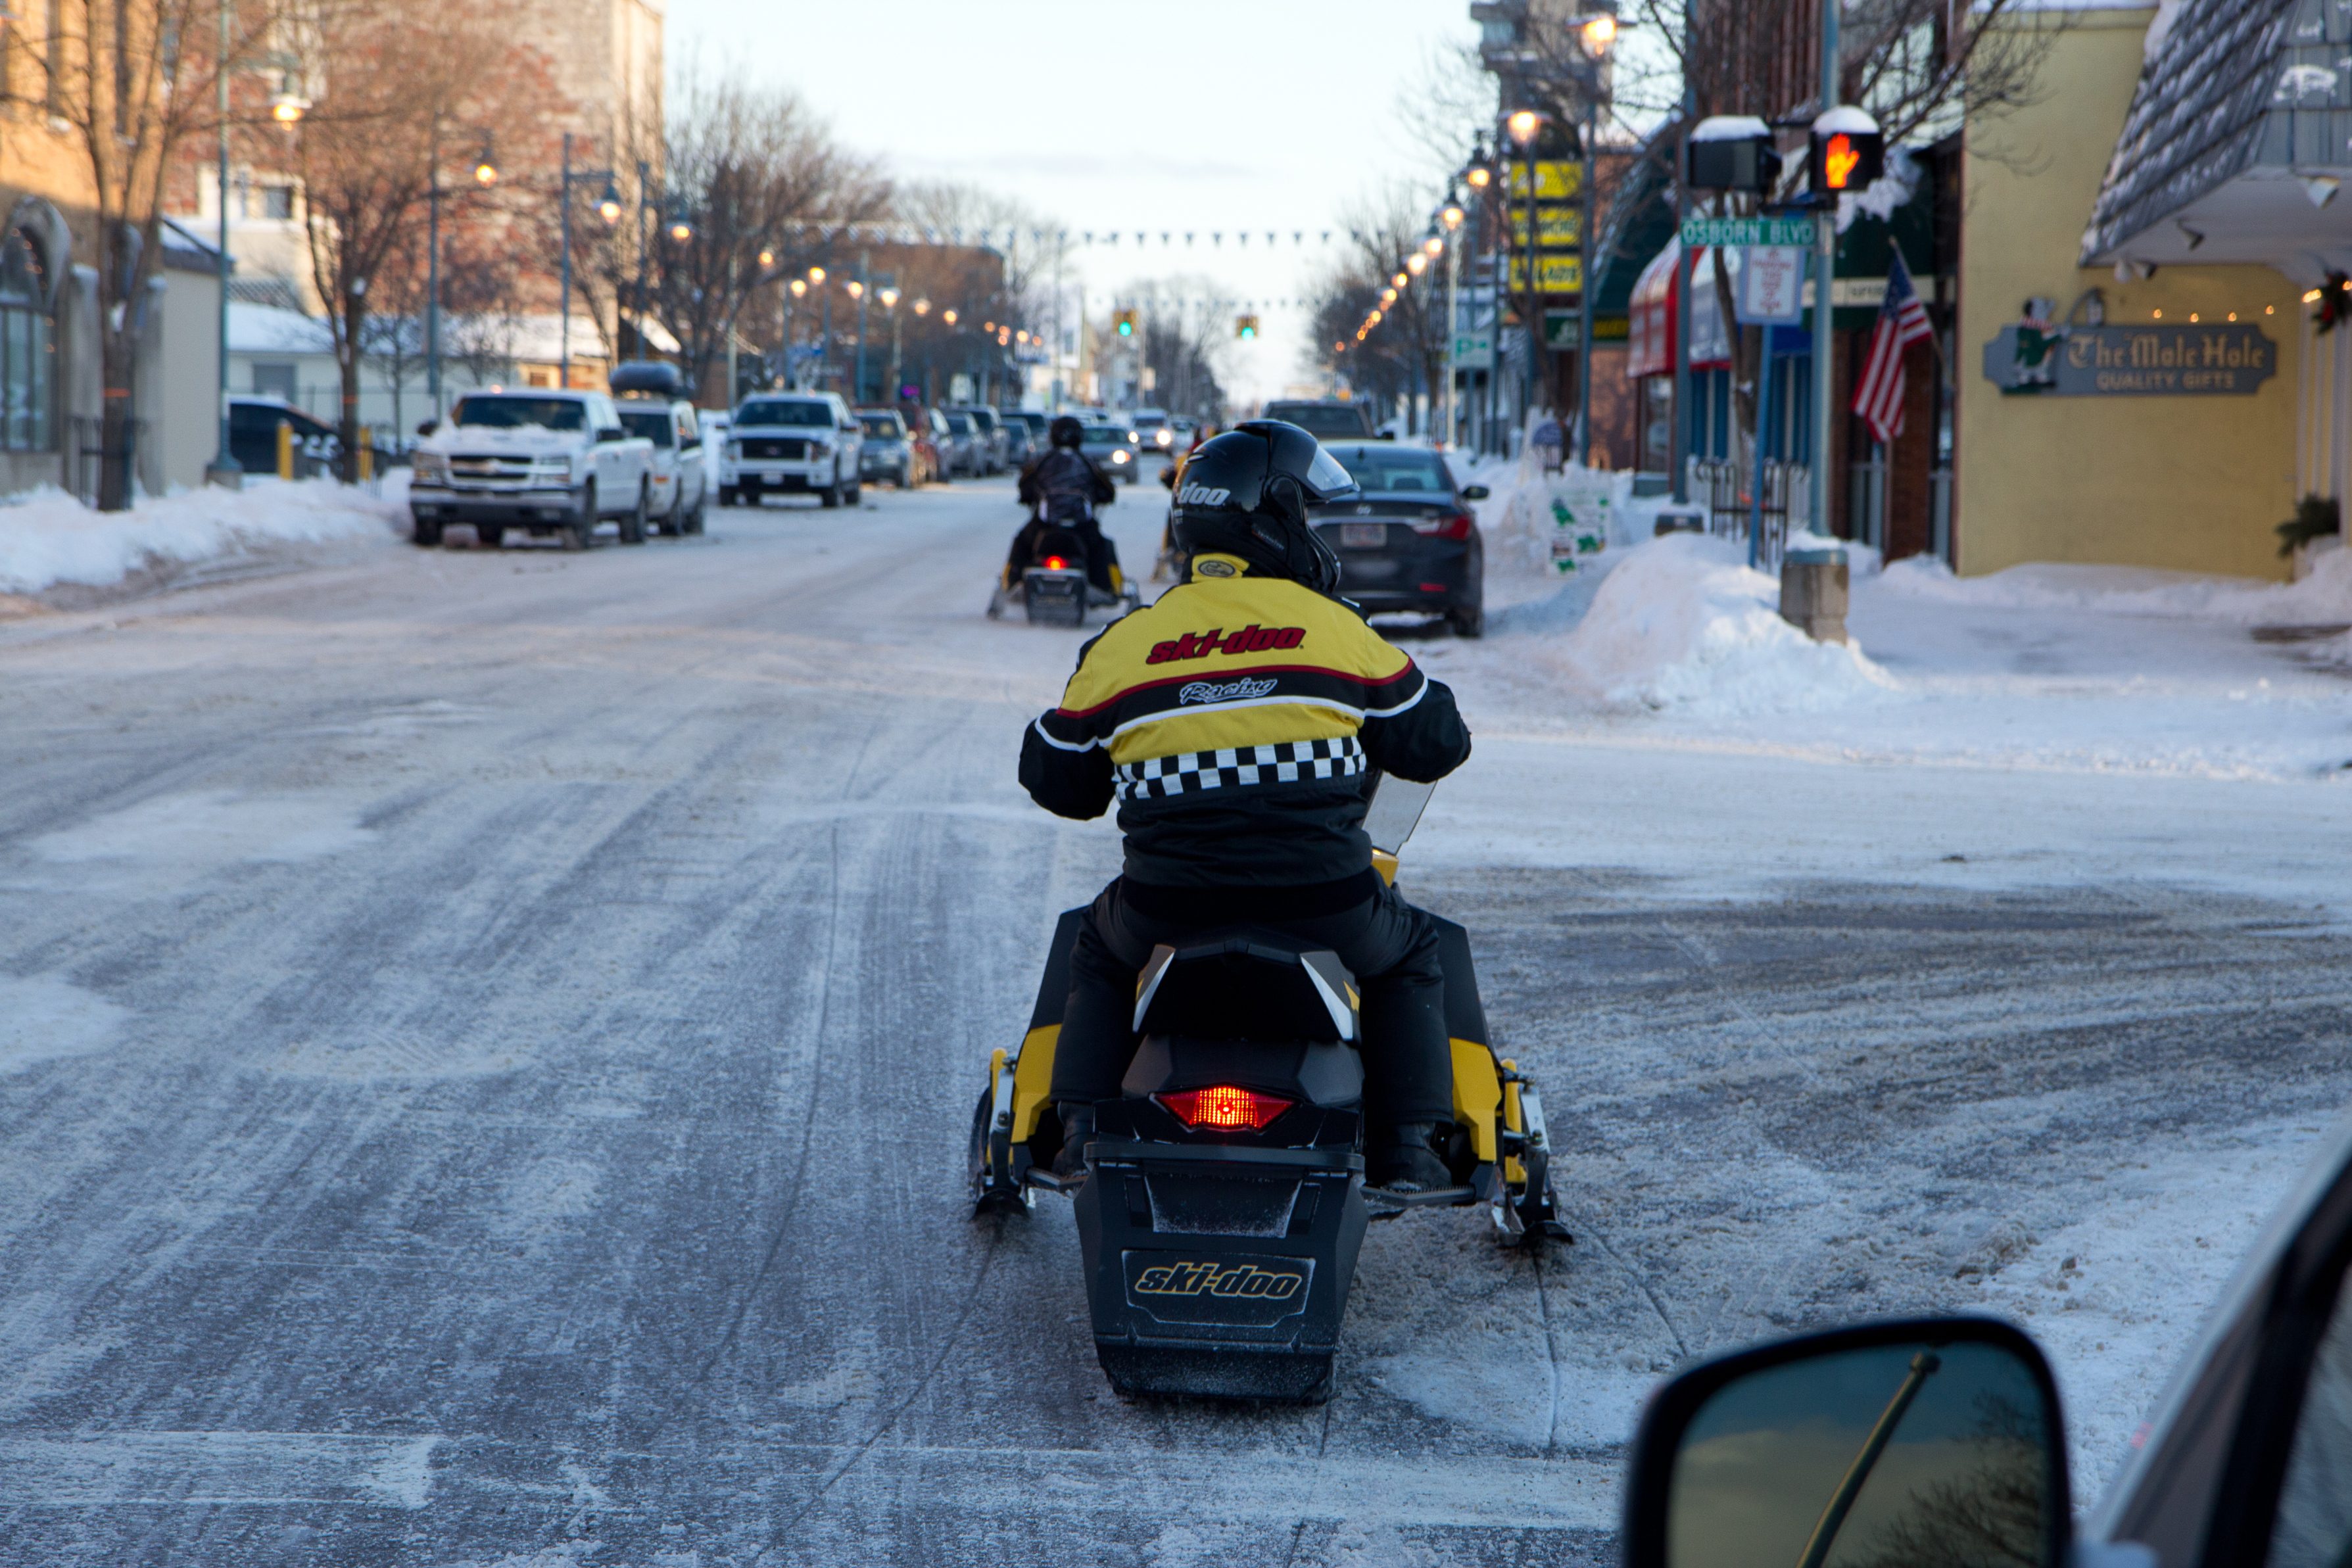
1388,945
1101,554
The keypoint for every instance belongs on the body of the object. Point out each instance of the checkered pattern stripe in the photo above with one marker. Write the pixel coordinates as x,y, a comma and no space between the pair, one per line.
1191,772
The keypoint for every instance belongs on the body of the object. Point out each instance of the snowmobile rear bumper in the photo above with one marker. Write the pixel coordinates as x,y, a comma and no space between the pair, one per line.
1219,1272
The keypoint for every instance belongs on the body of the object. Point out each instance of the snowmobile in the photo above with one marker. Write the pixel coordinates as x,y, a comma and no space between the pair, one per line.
1055,588
1223,1199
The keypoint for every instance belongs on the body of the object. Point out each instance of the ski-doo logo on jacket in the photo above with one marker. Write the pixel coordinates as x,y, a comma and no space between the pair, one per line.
1251,639
1203,496
1222,691
1219,1280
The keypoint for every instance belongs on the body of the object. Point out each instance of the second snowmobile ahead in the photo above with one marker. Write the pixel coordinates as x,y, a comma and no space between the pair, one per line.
1224,1199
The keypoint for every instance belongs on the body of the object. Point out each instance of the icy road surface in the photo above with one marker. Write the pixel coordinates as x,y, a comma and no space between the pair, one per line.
486,1040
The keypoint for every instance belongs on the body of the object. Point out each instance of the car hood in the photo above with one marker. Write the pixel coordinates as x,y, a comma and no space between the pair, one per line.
530,439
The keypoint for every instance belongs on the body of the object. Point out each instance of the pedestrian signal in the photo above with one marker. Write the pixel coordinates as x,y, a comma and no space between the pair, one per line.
1245,326
1845,157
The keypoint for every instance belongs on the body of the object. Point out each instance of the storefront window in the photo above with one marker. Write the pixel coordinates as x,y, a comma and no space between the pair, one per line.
27,350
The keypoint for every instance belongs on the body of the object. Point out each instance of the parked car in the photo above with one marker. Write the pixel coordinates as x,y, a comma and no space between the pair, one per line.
961,447
652,404
889,450
1021,442
1112,445
253,425
1327,419
1939,1439
549,462
1410,541
990,442
791,444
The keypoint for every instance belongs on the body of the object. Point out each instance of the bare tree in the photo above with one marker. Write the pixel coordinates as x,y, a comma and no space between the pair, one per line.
392,81
135,80
1404,355
748,187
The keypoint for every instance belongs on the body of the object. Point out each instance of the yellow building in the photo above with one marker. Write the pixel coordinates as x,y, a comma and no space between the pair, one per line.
2140,380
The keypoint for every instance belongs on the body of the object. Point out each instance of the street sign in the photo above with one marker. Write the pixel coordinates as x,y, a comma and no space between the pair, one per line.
1747,231
1771,286
1474,350
1557,227
1554,274
1562,329
1556,179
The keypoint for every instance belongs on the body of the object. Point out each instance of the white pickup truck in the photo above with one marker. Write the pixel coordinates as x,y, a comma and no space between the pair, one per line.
547,461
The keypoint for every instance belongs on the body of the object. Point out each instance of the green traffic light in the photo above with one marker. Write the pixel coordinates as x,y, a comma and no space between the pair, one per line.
1126,328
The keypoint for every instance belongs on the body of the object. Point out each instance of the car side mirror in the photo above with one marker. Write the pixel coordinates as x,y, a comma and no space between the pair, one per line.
1476,492
1926,1440
609,433
428,427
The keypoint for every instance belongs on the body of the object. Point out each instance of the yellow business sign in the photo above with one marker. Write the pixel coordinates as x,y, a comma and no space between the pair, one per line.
1556,180
1554,274
1556,227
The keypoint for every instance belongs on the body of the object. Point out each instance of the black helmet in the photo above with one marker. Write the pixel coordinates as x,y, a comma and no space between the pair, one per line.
1066,432
1246,493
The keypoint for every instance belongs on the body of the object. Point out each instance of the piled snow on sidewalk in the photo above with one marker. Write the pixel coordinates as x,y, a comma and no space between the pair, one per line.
50,538
2324,597
1684,623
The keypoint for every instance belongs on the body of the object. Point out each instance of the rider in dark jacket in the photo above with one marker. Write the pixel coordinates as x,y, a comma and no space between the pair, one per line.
1061,486
1234,721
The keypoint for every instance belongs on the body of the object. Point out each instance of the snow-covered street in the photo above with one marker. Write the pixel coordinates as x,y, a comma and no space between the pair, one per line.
486,1042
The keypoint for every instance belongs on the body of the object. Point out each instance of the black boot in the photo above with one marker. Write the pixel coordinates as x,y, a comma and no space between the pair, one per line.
1401,1160
1077,1132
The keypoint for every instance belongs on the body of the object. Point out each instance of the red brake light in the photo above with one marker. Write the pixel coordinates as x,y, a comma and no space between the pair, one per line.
1056,563
1456,526
1224,1106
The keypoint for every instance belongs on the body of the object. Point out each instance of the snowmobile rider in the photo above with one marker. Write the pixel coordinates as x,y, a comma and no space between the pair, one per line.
1061,486
1233,721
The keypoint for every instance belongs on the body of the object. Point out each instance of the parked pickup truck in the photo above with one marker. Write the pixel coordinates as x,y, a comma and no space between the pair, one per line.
550,461
791,442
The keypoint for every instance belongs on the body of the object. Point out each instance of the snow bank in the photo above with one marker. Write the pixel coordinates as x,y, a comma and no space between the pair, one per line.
1683,622
2324,597
49,538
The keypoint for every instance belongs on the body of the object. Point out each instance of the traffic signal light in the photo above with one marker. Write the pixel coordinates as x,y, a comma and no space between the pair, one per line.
1245,326
1847,152
1732,152
1124,320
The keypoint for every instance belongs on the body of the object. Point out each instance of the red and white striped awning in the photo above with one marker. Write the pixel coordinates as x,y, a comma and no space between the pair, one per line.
1653,310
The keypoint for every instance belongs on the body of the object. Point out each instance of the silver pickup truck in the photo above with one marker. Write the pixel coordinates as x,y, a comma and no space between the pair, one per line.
551,463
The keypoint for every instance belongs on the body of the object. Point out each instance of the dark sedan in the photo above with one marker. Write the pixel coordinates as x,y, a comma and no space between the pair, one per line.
1410,541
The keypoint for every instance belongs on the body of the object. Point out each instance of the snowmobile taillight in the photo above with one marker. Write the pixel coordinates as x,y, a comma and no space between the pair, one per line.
1056,563
1456,526
1225,1107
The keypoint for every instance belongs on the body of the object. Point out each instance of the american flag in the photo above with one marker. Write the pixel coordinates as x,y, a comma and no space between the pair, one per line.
1901,321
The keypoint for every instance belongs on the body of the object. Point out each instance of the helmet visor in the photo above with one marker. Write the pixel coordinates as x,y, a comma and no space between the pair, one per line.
1328,482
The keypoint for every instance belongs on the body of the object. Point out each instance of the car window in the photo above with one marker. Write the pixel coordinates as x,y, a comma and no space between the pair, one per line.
960,424
509,413
790,412
689,433
884,425
1394,468
653,424
2313,1526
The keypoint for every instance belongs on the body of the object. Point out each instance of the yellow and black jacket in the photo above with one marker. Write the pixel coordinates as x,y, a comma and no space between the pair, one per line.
1233,721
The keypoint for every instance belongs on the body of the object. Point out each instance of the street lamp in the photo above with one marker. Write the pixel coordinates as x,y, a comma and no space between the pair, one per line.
609,209
949,317
289,108
485,174
1416,264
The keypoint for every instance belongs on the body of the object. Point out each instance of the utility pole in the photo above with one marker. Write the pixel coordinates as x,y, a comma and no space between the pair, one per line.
1589,271
432,271
223,469
1824,265
731,335
857,367
563,207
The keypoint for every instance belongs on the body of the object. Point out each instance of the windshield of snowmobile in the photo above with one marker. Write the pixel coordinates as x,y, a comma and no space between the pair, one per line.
1395,810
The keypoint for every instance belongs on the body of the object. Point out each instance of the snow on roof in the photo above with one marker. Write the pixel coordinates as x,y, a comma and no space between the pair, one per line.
2212,102
268,330
1846,117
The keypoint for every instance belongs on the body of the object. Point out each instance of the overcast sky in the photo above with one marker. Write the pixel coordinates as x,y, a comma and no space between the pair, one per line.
1191,114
